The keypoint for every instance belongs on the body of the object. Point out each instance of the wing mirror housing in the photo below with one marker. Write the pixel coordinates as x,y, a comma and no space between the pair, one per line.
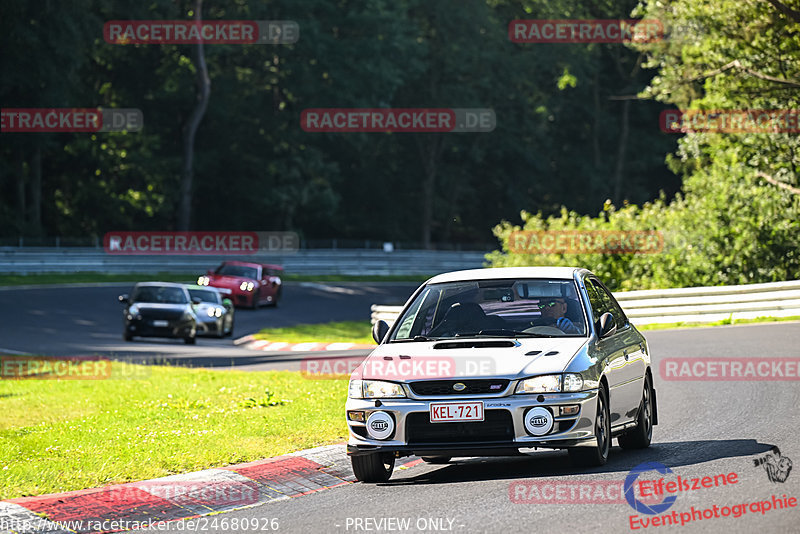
605,325
379,330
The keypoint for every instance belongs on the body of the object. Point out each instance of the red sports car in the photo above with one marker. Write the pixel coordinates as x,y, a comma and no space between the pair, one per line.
251,284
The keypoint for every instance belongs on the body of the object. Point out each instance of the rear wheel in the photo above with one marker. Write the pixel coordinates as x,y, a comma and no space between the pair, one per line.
597,455
127,336
436,459
375,467
640,437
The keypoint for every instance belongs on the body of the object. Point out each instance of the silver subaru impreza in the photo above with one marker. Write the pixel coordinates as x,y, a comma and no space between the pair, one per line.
498,362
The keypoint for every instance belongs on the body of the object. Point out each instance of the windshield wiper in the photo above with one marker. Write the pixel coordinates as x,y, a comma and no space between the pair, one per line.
501,332
416,338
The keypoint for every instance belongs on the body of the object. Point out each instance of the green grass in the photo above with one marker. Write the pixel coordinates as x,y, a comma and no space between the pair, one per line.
74,434
723,322
85,277
343,331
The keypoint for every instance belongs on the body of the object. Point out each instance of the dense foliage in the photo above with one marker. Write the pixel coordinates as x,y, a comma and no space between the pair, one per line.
737,219
563,135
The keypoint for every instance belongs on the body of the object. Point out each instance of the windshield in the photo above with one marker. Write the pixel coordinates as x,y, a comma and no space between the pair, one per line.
238,270
160,294
494,308
205,295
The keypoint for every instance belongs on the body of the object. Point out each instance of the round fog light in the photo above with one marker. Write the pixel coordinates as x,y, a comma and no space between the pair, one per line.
538,421
380,425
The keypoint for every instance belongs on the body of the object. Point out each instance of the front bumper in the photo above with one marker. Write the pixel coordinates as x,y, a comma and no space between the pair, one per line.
210,327
502,433
176,328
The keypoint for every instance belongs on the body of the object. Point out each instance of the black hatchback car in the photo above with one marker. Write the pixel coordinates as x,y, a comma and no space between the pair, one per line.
159,309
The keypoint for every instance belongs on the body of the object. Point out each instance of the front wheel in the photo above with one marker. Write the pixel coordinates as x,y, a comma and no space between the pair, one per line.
640,437
597,455
190,340
375,467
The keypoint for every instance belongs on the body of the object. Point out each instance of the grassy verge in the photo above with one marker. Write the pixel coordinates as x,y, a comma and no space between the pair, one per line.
74,434
84,277
666,326
343,331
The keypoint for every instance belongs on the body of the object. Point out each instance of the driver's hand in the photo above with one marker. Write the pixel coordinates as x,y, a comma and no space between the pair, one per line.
566,325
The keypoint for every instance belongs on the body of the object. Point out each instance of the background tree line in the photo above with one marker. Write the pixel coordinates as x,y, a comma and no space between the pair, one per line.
568,133
737,218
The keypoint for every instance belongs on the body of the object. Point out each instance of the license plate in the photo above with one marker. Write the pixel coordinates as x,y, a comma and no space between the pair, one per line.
160,323
446,412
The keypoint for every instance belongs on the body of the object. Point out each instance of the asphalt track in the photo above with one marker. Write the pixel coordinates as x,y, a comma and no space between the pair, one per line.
87,320
705,429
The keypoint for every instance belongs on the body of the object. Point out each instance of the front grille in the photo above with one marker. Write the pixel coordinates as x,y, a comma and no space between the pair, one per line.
497,426
445,387
154,314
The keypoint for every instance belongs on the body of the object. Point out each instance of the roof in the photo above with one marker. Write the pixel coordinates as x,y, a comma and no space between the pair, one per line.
252,264
557,273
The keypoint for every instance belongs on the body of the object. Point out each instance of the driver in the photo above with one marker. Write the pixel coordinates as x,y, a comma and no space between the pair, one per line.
554,312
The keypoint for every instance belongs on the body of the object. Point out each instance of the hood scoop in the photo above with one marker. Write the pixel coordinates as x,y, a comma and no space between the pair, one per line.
488,344
537,352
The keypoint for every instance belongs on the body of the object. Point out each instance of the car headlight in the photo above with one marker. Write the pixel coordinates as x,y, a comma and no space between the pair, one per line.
247,286
540,384
375,389
354,390
573,382
211,311
550,384
203,281
250,286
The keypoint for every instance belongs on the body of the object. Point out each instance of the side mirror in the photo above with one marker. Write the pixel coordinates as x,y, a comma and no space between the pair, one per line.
605,325
228,303
197,300
123,299
379,330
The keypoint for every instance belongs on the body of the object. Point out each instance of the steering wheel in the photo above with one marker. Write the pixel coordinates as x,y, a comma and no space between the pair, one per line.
545,330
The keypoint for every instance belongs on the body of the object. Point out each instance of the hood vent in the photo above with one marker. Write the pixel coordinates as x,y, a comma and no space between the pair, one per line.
552,353
489,344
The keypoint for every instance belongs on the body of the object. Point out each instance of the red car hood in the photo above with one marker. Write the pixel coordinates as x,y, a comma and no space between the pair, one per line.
230,282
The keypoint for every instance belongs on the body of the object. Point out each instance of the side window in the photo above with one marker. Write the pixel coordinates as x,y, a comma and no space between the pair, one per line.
611,305
598,306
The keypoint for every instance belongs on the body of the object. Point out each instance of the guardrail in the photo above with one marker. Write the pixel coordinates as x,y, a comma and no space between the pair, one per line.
304,261
689,305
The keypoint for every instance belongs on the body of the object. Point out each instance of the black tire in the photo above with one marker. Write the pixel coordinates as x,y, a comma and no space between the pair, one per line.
126,336
641,436
598,455
190,340
375,467
436,459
